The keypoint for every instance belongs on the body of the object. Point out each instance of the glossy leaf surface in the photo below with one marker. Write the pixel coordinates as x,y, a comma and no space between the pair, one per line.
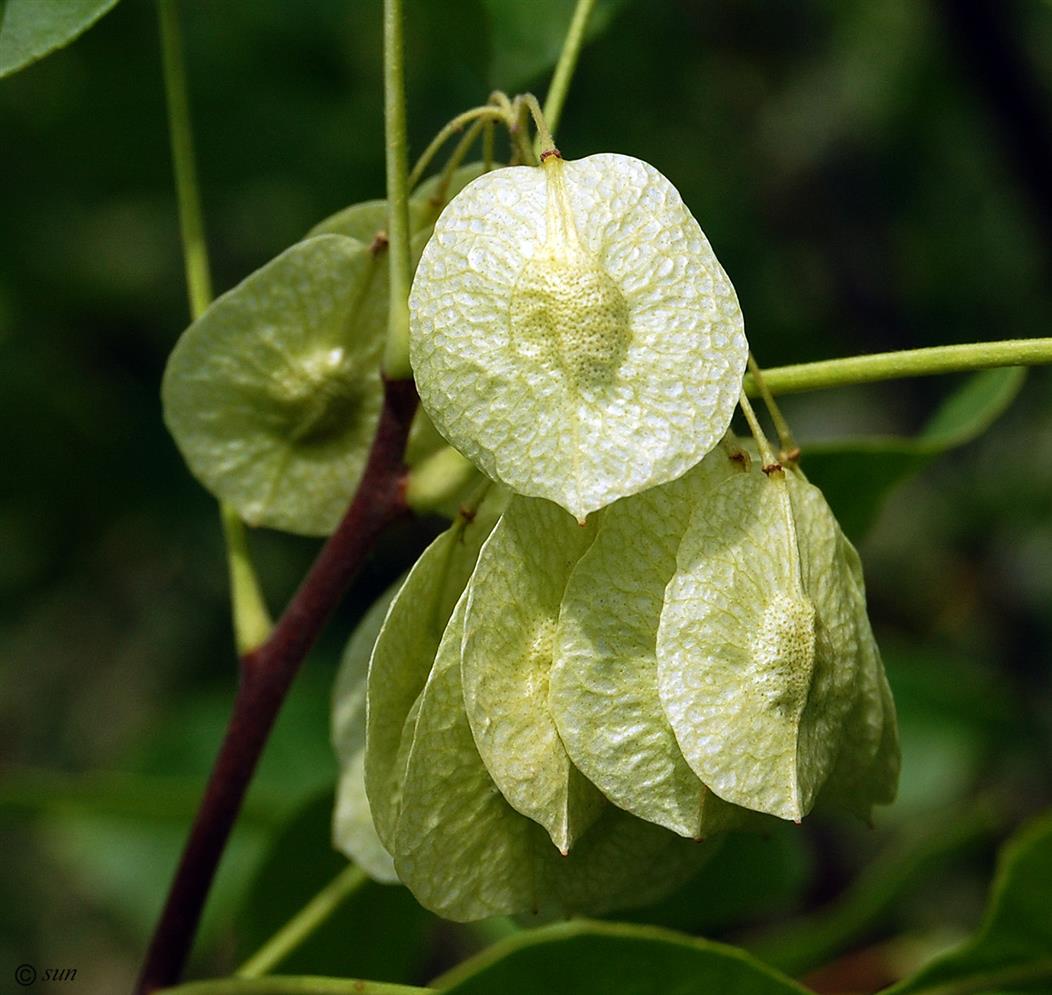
856,475
1012,950
31,29
591,958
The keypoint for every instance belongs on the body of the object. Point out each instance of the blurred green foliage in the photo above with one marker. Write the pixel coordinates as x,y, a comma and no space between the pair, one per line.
856,181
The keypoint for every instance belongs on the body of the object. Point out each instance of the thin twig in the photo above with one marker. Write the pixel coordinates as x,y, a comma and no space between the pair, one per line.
789,449
266,675
304,923
483,113
924,362
766,455
560,85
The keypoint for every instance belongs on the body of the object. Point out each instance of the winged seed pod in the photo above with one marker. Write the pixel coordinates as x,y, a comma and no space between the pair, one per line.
466,854
572,333
512,609
353,829
484,695
764,649
867,767
273,394
405,651
603,690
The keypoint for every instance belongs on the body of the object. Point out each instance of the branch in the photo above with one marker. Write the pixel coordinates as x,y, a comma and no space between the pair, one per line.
266,675
292,935
905,363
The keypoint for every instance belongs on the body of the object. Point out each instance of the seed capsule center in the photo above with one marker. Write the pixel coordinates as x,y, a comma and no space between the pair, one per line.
567,312
784,651
317,398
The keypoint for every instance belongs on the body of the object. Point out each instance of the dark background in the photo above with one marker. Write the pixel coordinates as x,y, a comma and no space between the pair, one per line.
872,176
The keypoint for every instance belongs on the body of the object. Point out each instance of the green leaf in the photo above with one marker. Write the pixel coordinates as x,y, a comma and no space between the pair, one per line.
591,958
919,856
273,395
528,37
758,876
856,475
353,830
405,651
31,29
1012,949
509,638
467,854
603,691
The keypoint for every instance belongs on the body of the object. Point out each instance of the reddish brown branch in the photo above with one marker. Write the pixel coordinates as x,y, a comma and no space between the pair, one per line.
266,675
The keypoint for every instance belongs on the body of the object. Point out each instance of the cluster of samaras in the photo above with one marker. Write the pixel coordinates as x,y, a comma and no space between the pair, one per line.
641,637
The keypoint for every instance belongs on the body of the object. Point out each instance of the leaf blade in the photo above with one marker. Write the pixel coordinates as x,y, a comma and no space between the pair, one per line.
33,29
592,958
856,475
1012,949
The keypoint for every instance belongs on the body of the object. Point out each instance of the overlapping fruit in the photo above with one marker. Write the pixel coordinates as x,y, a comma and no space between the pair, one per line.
558,714
641,636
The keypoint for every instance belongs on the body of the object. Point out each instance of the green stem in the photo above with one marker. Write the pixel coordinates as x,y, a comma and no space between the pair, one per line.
766,455
523,153
487,147
396,356
251,620
487,112
305,922
545,142
906,363
191,224
553,104
781,426
438,200
293,985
